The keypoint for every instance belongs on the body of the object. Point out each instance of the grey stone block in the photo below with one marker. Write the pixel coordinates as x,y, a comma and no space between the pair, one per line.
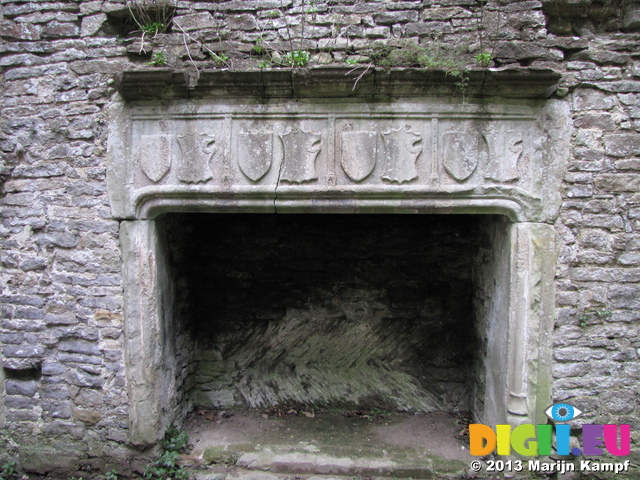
21,387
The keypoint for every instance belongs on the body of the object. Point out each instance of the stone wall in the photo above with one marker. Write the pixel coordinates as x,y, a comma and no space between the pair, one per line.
64,401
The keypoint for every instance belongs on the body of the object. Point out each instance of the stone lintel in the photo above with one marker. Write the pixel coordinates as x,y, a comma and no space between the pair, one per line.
421,154
332,82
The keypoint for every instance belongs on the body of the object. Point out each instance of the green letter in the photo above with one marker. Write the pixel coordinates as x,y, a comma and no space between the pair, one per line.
523,440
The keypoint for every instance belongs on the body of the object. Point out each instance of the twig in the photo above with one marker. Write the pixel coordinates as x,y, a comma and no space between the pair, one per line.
142,50
359,76
186,47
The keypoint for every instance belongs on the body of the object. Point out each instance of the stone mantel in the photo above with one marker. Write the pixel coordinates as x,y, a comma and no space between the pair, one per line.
342,154
337,81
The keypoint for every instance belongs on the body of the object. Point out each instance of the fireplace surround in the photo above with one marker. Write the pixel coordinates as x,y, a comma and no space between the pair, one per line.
184,170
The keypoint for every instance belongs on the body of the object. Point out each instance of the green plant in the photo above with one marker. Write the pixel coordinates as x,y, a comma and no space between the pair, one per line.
153,28
603,313
166,466
484,59
158,59
220,59
175,440
351,61
312,9
593,312
8,470
296,58
151,16
264,64
259,48
111,475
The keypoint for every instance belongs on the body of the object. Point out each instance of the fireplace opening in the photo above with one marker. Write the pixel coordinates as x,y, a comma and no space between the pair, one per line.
360,312
360,316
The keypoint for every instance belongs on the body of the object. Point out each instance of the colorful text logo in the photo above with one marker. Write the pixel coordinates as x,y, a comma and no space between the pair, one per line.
534,440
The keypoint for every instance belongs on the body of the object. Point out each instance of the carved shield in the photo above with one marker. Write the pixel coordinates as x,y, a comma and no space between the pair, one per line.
154,156
505,151
461,151
196,151
255,153
401,151
300,149
358,154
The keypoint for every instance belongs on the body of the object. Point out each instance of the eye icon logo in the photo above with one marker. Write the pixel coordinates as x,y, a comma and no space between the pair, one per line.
562,412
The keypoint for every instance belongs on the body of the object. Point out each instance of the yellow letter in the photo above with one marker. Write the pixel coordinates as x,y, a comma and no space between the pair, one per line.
503,432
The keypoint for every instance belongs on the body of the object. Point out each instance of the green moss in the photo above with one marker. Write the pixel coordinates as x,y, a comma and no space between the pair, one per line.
409,53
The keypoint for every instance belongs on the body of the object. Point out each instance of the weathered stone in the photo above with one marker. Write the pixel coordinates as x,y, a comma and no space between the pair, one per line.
604,121
194,22
91,24
21,387
445,13
23,351
578,354
622,144
79,346
618,182
428,28
57,456
83,379
19,31
56,29
90,417
400,16
241,22
59,242
88,398
570,370
519,51
587,99
631,18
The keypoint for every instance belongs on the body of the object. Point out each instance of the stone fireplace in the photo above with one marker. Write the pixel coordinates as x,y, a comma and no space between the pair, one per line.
365,251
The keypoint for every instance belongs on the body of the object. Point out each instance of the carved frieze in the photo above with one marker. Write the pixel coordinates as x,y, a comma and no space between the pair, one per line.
325,150
367,152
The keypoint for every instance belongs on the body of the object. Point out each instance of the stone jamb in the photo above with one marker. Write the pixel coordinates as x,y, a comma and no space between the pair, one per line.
3,417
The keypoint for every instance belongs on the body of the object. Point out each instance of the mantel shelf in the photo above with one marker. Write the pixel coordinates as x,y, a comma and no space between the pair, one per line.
335,82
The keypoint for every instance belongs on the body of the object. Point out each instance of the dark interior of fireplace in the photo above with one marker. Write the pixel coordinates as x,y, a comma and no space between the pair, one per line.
321,311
